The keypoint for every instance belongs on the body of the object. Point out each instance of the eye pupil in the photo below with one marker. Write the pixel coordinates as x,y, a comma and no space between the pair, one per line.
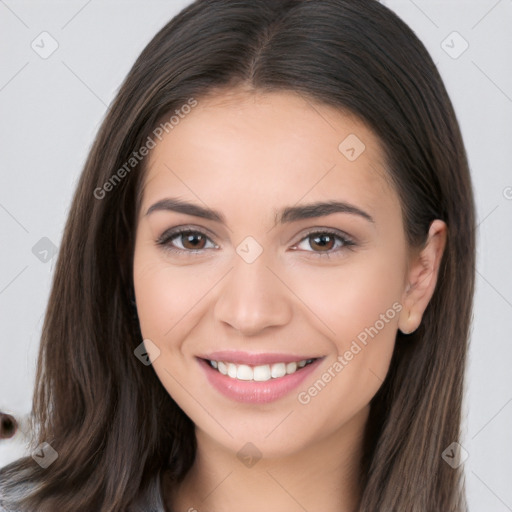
323,241
195,241
192,238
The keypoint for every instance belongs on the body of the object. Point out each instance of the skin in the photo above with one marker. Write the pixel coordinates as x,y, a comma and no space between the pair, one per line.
248,155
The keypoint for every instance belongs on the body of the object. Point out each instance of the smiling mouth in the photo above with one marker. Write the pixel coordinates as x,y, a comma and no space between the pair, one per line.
258,373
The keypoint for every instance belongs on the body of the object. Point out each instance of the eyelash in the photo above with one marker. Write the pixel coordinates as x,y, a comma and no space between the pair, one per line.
165,239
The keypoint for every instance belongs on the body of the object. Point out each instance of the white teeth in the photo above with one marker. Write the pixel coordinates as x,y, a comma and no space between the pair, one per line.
291,367
232,370
244,372
260,373
278,370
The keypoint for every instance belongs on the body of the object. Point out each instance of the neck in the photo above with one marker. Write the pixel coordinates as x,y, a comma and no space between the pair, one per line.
323,476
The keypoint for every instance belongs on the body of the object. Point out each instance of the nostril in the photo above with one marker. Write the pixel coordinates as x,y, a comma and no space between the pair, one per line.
8,426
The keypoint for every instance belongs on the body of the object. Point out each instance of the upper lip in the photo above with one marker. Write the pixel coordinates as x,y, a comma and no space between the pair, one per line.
240,357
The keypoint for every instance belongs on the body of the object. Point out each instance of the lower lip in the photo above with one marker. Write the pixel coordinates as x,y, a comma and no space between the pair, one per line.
253,392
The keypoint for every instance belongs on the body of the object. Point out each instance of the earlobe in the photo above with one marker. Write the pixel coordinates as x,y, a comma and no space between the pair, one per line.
422,278
411,324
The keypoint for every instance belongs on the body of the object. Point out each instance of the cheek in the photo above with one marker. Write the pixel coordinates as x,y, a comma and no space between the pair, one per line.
159,294
359,306
353,295
169,297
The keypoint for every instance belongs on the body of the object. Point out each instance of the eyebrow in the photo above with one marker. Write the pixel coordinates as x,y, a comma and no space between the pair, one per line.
286,215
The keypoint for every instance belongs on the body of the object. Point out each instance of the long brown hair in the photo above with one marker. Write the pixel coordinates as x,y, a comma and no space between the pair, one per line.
108,417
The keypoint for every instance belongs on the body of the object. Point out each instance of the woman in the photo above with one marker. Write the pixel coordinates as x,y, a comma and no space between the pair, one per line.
264,289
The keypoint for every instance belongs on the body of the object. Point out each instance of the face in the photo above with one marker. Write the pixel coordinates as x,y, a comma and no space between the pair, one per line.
269,236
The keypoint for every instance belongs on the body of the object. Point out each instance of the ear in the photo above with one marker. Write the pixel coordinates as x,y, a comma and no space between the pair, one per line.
422,277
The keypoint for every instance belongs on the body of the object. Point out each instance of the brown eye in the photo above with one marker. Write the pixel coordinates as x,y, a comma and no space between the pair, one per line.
193,240
322,242
185,241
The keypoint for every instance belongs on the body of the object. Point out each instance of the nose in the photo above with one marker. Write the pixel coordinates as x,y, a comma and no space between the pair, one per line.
253,298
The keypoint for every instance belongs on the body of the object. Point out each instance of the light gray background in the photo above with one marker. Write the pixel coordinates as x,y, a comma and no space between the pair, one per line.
52,107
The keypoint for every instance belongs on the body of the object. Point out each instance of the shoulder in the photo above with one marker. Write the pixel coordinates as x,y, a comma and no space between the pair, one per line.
151,500
10,496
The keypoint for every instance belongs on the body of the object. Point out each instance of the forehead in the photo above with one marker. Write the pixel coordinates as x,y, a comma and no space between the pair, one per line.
274,147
